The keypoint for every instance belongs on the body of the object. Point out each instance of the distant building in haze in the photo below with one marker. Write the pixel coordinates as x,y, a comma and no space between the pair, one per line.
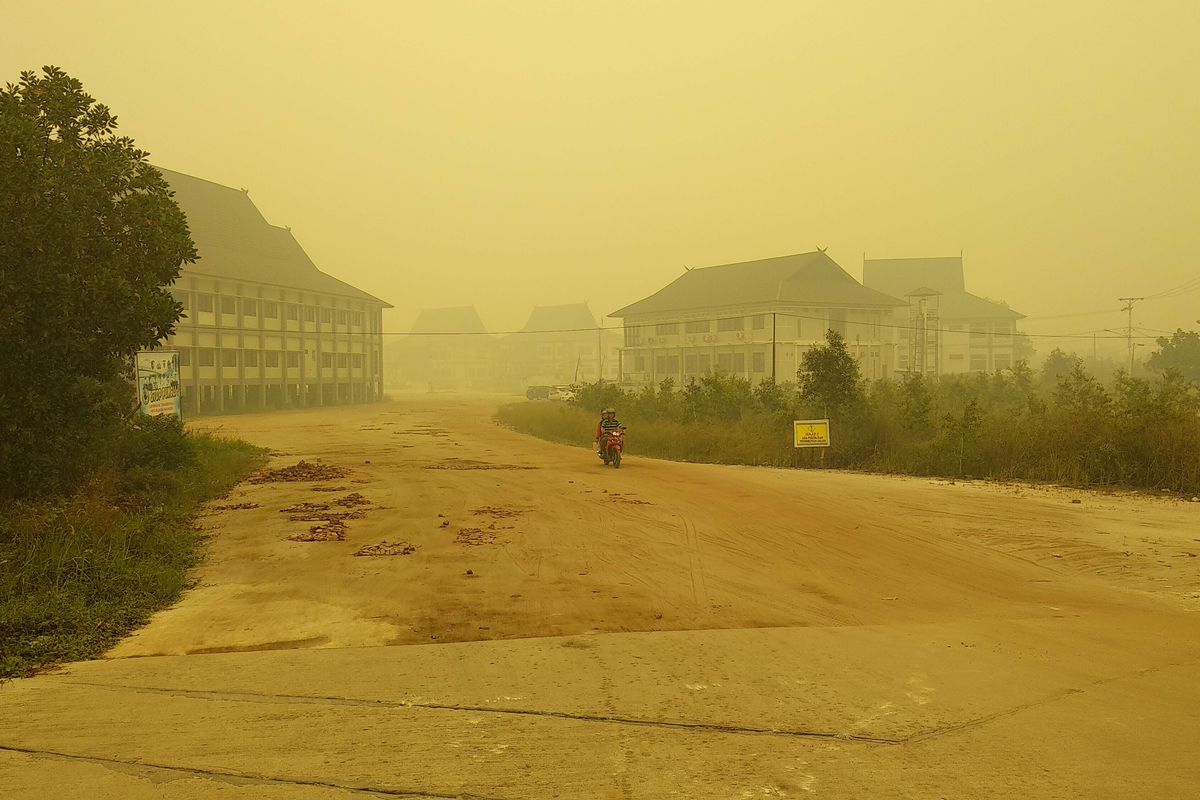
755,319
945,329
558,345
262,326
447,349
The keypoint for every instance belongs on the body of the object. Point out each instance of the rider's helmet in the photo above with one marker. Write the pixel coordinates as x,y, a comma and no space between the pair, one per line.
608,412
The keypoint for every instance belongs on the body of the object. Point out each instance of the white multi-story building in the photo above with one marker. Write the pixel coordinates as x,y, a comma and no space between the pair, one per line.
945,329
755,319
262,326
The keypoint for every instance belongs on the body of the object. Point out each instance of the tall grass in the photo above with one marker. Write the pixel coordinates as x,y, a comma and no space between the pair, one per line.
80,571
1061,426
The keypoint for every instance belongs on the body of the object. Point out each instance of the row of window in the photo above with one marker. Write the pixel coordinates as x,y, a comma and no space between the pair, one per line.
208,357
269,309
978,363
786,327
702,363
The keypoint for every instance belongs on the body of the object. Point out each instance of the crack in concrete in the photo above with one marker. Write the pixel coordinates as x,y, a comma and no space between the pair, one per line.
707,727
234,777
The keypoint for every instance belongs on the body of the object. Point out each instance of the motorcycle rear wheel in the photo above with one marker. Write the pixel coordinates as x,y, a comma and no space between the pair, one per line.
616,459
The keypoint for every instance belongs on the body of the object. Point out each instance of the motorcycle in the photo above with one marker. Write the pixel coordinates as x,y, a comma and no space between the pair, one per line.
611,447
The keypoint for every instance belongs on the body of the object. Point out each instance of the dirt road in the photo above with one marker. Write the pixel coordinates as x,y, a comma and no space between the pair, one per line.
539,626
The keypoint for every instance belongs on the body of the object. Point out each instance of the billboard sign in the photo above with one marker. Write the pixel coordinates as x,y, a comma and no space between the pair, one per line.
158,383
811,432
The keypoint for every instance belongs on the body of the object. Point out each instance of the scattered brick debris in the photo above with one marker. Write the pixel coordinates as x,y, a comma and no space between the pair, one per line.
321,516
304,471
474,537
234,507
466,463
496,512
387,549
305,508
351,500
329,488
625,498
333,530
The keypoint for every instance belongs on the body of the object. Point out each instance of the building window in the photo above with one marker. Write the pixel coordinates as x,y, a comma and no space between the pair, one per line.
978,363
739,362
1002,361
207,357
327,360
758,362
978,331
229,358
249,308
356,319
633,335
732,324
673,365
204,302
343,360
356,360
185,356
310,314
250,358
759,322
668,329
660,363
956,356
270,309
181,297
689,364
293,359
291,311
697,326
228,305
271,358
639,364
343,317
326,315
725,362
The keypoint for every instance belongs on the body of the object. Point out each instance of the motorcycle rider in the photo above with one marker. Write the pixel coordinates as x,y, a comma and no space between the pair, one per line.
608,424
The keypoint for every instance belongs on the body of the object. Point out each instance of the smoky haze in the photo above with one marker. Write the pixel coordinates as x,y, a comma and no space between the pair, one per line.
507,155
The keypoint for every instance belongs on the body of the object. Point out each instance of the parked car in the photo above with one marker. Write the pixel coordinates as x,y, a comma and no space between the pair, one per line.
563,394
538,392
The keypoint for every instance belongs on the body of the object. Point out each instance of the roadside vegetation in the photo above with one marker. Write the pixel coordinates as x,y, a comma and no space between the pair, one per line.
1060,424
96,528
80,570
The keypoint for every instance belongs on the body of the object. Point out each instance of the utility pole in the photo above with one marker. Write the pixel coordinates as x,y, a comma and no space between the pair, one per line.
1129,301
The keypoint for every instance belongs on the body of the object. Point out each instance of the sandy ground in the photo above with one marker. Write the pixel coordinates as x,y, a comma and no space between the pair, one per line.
546,627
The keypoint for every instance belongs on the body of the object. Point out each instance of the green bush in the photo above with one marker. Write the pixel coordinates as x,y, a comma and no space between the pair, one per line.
1062,425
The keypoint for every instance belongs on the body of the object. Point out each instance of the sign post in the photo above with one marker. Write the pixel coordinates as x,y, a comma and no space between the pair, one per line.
811,433
158,383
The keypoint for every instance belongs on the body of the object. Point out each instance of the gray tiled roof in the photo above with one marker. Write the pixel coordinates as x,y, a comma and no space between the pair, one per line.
802,279
459,319
570,317
904,277
236,242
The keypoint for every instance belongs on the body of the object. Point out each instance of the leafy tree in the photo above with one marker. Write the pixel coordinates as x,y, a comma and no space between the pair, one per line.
89,236
1180,352
1059,364
828,376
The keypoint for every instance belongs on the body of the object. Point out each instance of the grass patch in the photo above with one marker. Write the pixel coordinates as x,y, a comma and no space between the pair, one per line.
79,572
755,439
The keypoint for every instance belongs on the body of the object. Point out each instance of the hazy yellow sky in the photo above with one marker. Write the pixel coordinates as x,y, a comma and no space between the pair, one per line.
521,153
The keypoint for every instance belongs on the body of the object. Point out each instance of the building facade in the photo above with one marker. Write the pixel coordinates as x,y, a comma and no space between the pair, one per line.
559,345
447,349
755,320
262,327
944,329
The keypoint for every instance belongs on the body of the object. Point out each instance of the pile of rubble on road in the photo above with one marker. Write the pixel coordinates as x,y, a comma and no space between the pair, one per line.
304,471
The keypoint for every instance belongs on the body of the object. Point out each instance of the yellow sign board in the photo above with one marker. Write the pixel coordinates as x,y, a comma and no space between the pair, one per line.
811,432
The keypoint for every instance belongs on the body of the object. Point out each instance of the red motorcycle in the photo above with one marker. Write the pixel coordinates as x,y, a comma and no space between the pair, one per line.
611,447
